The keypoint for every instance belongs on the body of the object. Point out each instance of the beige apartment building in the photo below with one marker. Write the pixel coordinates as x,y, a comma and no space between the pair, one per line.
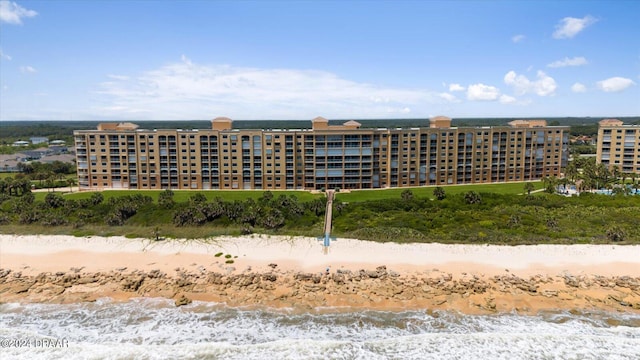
619,145
347,156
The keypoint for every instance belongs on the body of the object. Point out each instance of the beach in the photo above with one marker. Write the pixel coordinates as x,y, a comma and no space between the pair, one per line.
297,272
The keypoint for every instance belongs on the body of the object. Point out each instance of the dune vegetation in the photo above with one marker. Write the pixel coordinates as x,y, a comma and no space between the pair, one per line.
444,214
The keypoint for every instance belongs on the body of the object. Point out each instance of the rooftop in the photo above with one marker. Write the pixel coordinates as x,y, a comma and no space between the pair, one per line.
322,124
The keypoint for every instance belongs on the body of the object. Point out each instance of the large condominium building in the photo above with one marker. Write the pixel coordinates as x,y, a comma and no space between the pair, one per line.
619,145
326,156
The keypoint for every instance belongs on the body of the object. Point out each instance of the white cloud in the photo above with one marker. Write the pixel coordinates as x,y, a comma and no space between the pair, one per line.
380,100
506,99
517,38
118,77
570,27
448,97
456,87
482,92
520,82
576,61
186,60
545,85
4,56
28,70
188,90
578,88
615,84
12,13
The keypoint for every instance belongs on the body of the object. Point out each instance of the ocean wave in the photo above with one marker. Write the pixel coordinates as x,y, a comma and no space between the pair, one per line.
156,329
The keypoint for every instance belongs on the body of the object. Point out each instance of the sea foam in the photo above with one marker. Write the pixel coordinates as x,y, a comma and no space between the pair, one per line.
156,329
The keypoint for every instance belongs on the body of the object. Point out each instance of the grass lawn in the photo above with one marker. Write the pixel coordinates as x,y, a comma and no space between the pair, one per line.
380,194
353,196
184,195
4,175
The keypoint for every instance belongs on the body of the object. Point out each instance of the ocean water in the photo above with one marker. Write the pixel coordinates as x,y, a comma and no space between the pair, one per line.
156,329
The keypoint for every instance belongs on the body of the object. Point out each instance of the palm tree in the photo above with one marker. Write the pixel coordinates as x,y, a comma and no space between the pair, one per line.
407,195
439,193
550,184
40,176
472,197
317,206
528,187
266,197
589,175
602,175
616,173
10,185
51,180
572,171
615,233
60,177
24,184
165,199
71,182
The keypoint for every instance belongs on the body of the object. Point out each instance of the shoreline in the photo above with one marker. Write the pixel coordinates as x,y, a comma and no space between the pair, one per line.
282,272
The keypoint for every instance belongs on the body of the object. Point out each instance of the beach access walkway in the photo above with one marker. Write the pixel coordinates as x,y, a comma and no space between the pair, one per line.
328,212
327,221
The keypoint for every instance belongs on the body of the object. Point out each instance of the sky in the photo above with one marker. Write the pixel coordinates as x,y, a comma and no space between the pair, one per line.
197,60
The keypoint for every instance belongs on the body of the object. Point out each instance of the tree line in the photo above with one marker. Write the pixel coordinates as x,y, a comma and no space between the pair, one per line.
38,175
586,175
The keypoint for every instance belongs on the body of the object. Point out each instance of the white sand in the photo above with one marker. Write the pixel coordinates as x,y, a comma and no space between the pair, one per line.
36,253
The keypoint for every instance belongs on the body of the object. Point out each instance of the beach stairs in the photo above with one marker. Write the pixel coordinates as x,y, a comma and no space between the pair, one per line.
327,238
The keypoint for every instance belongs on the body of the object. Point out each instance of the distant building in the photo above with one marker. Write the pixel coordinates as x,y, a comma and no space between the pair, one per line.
326,156
528,123
9,163
56,143
9,166
21,143
582,140
65,158
39,140
36,154
58,149
619,145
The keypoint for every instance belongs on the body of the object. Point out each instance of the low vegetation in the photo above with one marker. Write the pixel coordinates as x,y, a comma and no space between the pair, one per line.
481,217
136,213
451,214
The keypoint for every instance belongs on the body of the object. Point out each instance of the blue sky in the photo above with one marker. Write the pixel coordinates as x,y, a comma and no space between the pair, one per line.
186,60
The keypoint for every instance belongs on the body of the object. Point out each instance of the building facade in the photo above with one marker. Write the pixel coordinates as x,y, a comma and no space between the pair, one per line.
619,145
325,156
